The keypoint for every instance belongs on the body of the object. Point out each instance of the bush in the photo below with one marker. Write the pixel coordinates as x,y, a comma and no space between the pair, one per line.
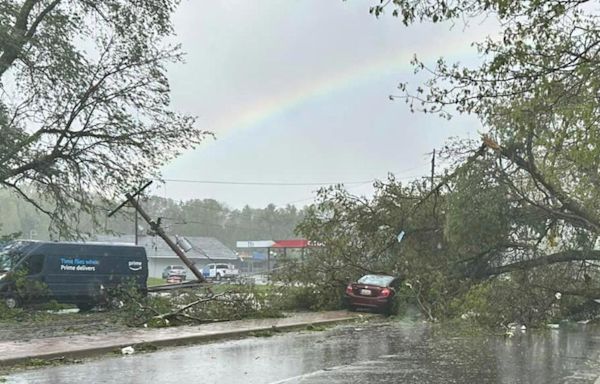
7,314
312,298
28,290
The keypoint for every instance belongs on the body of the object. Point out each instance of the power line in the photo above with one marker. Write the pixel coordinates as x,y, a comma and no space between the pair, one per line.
265,183
284,183
313,197
354,184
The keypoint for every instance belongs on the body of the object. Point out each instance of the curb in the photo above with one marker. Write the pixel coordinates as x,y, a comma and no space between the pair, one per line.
171,341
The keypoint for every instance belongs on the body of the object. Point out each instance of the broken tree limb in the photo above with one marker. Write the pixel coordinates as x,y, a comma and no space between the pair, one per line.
555,258
569,204
180,312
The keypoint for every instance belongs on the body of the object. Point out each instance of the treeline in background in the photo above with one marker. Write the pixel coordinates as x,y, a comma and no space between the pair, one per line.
195,217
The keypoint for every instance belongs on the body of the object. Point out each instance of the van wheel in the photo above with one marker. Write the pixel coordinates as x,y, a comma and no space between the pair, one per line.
96,293
12,302
115,303
218,277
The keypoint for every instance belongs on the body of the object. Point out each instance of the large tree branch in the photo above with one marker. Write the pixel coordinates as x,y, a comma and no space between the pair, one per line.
551,211
27,197
555,258
553,189
38,164
33,28
10,49
22,34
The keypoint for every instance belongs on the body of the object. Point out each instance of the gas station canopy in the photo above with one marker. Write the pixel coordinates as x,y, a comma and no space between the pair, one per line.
294,243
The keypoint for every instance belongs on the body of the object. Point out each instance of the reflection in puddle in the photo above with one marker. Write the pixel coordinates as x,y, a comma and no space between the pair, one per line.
371,353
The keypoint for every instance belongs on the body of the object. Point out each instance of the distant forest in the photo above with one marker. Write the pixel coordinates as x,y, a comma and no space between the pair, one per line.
196,217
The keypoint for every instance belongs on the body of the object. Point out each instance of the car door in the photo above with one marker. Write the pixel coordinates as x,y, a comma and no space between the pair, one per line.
213,270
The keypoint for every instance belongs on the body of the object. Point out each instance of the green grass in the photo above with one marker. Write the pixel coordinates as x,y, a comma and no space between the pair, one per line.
264,333
316,328
153,281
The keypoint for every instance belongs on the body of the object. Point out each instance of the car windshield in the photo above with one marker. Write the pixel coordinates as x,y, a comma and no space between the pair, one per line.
11,253
379,280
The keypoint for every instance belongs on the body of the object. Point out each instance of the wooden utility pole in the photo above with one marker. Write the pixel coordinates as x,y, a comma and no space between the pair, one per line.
155,226
160,232
435,196
432,168
135,223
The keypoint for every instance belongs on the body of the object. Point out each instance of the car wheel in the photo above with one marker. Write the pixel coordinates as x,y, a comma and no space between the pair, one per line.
12,302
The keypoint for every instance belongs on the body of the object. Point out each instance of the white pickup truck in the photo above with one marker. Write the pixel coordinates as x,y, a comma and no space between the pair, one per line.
220,271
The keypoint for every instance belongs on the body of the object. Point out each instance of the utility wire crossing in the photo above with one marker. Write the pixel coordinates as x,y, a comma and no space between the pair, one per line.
266,183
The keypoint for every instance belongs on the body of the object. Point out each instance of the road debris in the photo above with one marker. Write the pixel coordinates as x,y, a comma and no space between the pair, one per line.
128,350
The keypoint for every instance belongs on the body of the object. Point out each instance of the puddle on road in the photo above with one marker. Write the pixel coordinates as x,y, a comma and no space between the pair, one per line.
378,353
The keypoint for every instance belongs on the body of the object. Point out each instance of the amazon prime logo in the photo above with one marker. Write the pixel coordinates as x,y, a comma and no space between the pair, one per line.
135,265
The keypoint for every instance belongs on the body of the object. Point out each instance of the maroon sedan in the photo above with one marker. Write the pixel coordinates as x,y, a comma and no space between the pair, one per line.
373,292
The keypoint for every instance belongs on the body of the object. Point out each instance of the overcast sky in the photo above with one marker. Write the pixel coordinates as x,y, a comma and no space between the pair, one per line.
297,92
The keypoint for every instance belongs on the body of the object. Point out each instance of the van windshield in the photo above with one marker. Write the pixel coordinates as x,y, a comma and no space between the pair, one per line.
11,253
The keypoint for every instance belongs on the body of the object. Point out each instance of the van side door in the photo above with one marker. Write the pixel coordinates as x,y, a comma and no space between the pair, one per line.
30,281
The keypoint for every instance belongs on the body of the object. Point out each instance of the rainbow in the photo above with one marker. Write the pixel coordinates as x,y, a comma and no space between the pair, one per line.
385,66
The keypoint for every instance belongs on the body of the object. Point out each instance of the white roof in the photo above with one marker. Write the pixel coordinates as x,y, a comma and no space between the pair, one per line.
255,244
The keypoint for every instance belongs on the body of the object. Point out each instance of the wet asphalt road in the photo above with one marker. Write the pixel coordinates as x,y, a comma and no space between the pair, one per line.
401,352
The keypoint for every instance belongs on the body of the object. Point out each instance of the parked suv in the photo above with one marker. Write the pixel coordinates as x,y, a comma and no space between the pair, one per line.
220,271
174,270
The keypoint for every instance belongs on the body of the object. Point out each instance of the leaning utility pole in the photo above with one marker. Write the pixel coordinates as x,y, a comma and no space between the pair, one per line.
155,226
